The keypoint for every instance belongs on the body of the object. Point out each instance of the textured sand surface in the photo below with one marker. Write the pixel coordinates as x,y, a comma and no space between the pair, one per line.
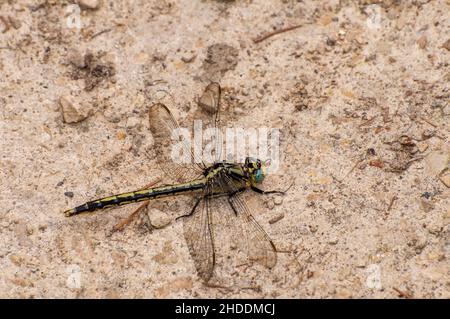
360,93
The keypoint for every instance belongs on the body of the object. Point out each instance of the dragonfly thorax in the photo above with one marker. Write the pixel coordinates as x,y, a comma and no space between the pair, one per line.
251,171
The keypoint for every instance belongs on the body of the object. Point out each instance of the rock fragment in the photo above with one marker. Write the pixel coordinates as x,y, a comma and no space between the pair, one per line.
188,58
436,162
422,42
77,59
445,178
276,219
446,45
278,200
160,219
89,4
72,111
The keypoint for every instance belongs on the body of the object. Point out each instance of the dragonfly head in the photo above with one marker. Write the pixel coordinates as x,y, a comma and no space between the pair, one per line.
255,168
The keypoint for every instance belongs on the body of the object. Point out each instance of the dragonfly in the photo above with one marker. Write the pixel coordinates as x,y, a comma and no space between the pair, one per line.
217,189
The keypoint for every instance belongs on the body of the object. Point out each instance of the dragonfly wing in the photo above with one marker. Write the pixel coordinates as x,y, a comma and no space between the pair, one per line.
198,232
172,150
209,112
259,246
209,102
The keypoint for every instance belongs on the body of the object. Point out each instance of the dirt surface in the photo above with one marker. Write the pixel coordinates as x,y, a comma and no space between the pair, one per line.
359,91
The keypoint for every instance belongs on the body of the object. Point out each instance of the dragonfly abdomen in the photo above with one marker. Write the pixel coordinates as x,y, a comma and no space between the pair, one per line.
137,196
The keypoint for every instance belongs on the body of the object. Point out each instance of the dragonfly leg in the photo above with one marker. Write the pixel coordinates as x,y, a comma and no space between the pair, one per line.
260,191
230,198
192,211
124,222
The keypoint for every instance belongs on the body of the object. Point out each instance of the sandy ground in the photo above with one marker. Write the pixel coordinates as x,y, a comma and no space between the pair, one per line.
360,93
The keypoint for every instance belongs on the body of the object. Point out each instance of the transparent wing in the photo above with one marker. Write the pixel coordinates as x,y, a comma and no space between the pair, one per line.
209,102
198,232
258,244
172,149
209,113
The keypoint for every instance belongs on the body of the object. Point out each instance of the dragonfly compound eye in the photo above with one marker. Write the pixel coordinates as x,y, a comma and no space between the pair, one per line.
259,176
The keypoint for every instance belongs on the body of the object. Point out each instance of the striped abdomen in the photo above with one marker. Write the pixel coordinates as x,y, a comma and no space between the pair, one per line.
137,196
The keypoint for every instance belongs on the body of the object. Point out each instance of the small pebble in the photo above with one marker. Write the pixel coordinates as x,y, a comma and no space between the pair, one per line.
333,240
159,219
238,111
30,230
376,163
68,194
336,136
313,228
16,24
436,162
436,255
89,4
16,260
72,111
331,42
446,45
270,204
278,200
422,42
188,59
121,135
343,293
371,152
428,133
422,147
133,121
427,195
77,59
276,219
436,105
426,205
445,178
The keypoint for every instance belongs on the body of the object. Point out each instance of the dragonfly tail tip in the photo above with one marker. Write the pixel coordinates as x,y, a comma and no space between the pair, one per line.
69,212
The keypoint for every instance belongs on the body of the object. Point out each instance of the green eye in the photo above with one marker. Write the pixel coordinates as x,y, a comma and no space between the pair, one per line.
259,177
